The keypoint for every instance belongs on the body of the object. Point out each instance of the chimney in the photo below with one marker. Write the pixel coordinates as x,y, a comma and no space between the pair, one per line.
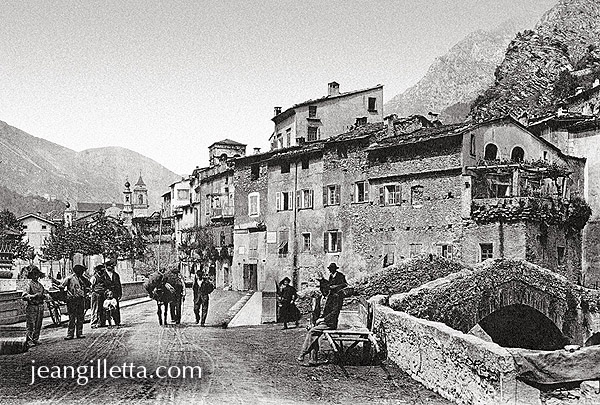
256,151
277,111
333,89
390,123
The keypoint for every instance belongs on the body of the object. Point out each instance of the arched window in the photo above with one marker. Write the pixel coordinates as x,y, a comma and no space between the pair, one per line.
518,154
140,199
491,152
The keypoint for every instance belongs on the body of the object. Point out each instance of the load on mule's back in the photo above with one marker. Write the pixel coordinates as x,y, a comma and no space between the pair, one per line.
166,289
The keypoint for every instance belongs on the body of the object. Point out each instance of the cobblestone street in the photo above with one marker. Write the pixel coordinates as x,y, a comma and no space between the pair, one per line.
239,365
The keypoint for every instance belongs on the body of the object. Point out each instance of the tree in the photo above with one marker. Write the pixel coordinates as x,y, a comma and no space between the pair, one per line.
12,232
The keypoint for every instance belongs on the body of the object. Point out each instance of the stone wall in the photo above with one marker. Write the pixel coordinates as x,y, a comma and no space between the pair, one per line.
459,367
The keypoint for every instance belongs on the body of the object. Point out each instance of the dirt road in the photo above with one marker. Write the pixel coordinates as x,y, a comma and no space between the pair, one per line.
239,365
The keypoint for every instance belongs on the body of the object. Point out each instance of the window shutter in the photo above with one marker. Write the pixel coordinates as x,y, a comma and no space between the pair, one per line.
450,251
291,200
325,241
367,191
311,198
337,194
299,199
381,195
339,238
278,201
325,196
439,250
397,194
352,193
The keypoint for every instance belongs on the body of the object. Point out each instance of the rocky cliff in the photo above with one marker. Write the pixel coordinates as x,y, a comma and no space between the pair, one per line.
32,166
543,66
454,80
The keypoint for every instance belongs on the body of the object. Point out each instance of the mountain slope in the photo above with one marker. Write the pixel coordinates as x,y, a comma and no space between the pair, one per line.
34,166
530,77
458,77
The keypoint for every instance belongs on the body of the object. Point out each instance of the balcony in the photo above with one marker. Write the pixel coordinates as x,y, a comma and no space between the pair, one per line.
221,213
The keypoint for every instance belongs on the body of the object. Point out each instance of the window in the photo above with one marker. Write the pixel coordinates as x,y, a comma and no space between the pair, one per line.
342,151
472,144
312,111
285,201
545,155
332,241
24,226
313,134
491,152
331,195
253,246
372,104
44,227
305,163
253,204
181,195
445,251
361,191
288,137
388,254
517,154
279,141
560,255
390,194
305,199
487,251
416,196
415,249
285,167
282,242
361,121
222,238
306,242
254,172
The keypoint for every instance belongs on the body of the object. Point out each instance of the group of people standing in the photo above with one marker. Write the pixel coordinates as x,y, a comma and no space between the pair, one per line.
102,293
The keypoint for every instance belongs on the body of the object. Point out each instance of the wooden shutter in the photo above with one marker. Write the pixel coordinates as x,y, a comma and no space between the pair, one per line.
367,186
397,194
291,200
353,189
311,199
325,241
299,202
439,250
339,237
450,252
325,188
278,201
337,193
381,195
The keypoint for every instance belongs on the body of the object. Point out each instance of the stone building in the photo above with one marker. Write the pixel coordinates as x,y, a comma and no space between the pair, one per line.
324,117
381,192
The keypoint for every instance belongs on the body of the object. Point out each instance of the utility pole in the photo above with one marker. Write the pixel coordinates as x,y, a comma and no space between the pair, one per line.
295,275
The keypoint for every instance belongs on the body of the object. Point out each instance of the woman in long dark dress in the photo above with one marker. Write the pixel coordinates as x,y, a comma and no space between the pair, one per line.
288,311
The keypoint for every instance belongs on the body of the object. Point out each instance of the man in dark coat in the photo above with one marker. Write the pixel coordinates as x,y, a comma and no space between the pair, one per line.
175,280
329,317
113,284
202,287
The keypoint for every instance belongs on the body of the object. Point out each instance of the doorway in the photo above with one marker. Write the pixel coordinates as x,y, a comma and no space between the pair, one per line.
251,277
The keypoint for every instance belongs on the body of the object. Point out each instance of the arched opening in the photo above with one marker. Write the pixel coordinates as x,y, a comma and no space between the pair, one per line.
140,199
593,340
522,326
517,155
491,152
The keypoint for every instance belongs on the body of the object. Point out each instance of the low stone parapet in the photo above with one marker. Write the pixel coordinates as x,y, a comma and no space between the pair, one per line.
459,367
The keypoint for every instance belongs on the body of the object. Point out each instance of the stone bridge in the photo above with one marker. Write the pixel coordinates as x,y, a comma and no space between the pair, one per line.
513,303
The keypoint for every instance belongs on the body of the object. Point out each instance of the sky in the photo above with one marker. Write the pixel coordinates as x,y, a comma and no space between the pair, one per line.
168,78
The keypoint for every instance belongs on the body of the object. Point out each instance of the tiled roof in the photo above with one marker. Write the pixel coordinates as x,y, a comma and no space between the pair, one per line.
227,142
425,134
36,216
360,132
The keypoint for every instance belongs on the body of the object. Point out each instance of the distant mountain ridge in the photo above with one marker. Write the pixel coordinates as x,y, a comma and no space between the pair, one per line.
33,166
455,79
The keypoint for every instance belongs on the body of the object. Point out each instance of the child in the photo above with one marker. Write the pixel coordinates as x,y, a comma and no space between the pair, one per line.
110,306
34,312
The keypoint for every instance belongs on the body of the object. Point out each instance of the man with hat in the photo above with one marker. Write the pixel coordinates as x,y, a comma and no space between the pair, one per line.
201,288
77,287
329,317
34,295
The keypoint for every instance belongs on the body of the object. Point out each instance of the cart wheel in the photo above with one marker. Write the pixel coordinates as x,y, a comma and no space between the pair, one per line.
54,313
